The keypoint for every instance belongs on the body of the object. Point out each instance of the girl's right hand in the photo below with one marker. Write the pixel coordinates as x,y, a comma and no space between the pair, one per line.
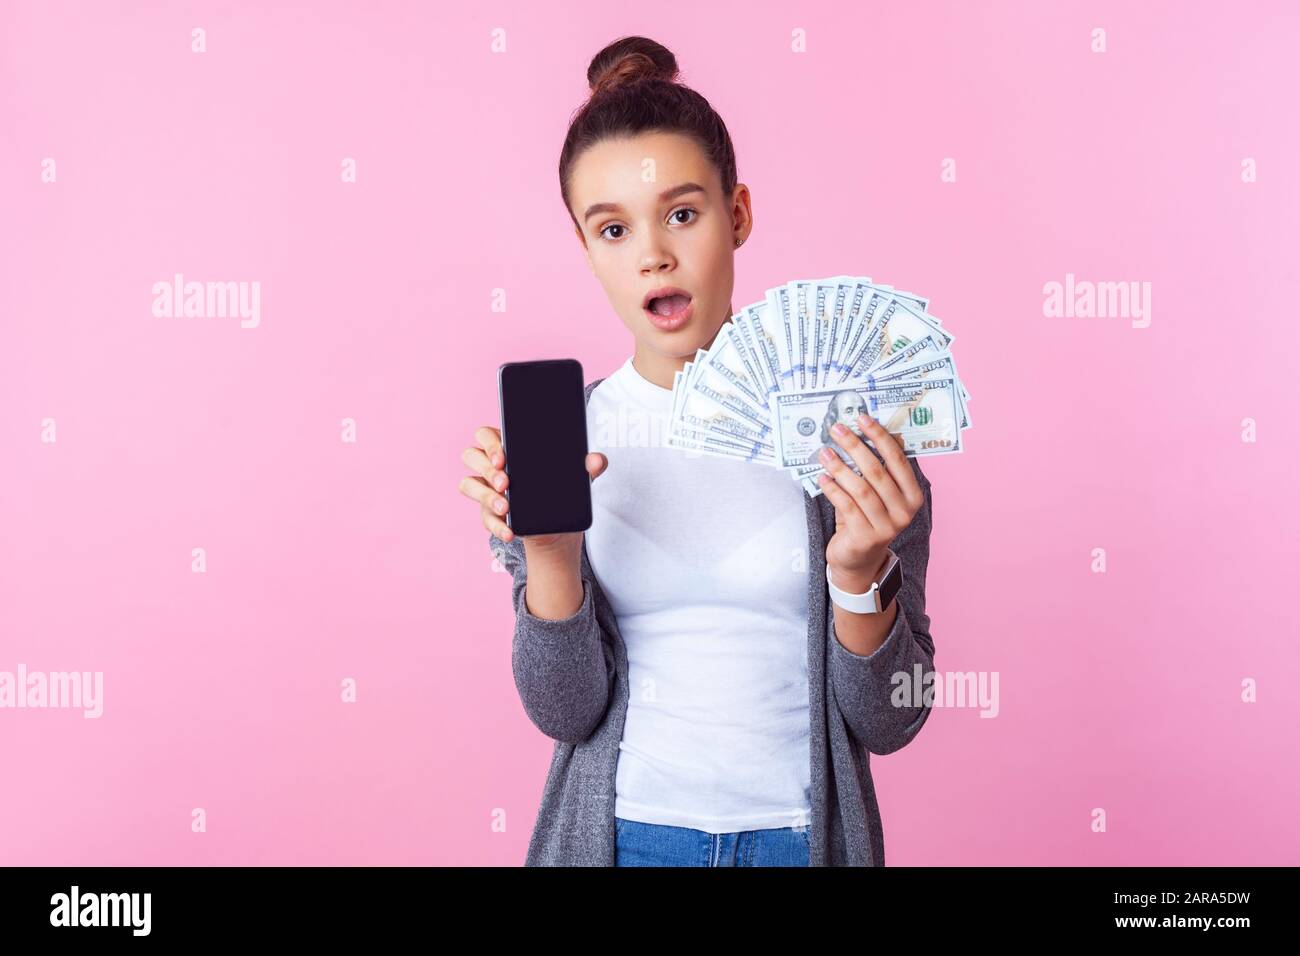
488,460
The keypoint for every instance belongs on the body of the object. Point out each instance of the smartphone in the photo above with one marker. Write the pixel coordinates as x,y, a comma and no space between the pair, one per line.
544,437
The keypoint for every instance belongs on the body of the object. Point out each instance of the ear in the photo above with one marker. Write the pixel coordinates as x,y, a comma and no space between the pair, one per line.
742,211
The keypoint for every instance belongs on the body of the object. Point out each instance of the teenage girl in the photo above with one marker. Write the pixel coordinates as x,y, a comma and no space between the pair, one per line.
700,569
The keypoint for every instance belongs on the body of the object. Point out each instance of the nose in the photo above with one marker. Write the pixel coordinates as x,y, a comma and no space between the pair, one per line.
655,257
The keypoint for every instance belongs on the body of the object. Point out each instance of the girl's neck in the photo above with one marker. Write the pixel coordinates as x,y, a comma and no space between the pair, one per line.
656,368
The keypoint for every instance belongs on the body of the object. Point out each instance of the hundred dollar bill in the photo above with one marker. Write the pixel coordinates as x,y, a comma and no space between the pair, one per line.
750,354
754,320
698,439
917,302
866,306
892,328
940,366
923,349
741,343
724,361
922,416
780,321
829,306
698,421
849,293
801,302
708,386
868,311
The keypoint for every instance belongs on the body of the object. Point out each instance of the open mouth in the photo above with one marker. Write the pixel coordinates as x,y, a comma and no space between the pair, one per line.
668,307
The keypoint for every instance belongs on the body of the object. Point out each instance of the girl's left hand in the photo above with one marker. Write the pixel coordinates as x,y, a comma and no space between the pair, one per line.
871,508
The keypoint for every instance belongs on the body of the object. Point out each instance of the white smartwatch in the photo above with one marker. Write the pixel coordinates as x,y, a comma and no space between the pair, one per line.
874,599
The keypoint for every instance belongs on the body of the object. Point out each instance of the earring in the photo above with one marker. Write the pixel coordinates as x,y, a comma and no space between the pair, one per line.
739,241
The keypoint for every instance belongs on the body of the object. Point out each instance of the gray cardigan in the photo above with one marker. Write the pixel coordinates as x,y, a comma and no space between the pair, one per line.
572,679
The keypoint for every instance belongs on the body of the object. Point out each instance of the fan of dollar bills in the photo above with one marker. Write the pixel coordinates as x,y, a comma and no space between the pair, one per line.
783,371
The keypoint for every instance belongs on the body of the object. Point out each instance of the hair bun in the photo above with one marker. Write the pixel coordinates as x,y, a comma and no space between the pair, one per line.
628,61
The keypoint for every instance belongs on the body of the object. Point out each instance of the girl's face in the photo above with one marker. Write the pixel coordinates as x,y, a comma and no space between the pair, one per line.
651,216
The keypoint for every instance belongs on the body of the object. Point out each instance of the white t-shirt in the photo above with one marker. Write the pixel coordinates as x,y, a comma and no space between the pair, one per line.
704,562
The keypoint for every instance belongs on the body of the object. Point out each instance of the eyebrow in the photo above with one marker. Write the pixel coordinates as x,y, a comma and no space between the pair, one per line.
664,196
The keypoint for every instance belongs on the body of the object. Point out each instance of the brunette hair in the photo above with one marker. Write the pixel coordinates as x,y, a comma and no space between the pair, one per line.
634,89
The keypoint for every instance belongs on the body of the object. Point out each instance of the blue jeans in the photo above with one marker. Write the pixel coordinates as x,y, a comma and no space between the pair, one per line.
653,844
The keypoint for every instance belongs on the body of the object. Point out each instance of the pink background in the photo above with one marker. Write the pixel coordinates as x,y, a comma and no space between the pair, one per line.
329,560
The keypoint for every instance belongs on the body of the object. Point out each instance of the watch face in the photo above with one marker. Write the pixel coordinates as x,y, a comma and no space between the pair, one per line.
892,581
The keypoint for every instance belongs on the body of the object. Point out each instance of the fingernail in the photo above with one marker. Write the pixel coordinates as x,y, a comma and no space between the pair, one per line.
866,421
838,429
497,482
499,506
826,455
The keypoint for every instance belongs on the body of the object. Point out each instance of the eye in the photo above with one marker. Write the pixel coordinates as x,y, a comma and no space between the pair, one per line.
672,216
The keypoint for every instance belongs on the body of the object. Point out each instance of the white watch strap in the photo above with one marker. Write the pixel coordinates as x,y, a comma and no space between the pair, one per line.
868,602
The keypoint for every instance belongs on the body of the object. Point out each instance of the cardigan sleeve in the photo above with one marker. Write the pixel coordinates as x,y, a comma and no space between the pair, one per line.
865,685
563,669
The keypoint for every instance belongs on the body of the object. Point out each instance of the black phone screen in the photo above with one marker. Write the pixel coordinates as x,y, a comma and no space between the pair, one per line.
544,437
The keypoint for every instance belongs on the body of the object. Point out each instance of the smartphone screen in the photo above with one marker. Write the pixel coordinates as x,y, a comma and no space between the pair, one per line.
544,437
